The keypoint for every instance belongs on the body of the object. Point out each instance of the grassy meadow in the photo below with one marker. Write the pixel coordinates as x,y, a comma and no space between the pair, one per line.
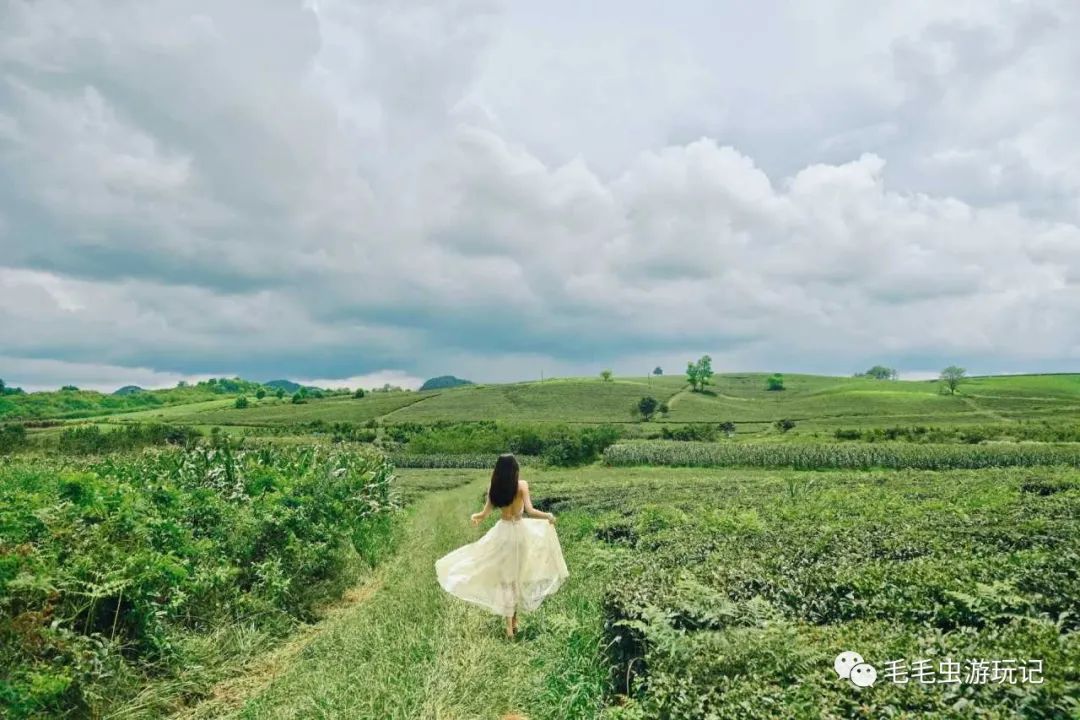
197,556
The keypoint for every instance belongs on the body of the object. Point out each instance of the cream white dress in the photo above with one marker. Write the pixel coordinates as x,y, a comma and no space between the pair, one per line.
512,568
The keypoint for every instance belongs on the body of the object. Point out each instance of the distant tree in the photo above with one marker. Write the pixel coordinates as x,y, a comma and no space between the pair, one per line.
699,374
880,372
182,384
657,370
785,425
359,393
605,375
280,393
775,382
260,393
647,406
298,397
728,428
952,376
241,402
663,409
69,388
3,386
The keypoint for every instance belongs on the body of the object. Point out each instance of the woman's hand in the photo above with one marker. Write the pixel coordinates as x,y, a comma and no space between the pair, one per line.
476,518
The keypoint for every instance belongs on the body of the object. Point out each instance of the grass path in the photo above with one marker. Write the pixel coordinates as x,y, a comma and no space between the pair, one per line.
408,650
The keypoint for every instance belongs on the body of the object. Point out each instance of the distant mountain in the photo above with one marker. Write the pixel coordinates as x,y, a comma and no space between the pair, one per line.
129,390
287,385
444,381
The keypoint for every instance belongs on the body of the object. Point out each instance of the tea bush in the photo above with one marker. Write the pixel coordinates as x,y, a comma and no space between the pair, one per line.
109,568
736,588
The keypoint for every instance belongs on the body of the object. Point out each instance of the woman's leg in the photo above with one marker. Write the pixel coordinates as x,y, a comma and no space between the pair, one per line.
515,622
510,623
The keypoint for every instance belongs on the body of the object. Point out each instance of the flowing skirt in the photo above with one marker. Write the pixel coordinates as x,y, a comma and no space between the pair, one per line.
512,568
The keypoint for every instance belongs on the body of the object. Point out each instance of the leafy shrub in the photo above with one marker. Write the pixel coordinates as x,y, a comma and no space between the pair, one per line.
785,425
241,403
702,432
92,440
106,570
567,447
12,438
646,407
557,444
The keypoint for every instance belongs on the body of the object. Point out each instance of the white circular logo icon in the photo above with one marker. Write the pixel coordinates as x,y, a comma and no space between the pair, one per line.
863,675
845,661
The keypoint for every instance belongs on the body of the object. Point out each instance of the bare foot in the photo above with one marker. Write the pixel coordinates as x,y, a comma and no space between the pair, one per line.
514,625
511,627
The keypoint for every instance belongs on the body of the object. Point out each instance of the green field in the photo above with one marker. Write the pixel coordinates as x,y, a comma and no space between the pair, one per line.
817,403
721,594
711,576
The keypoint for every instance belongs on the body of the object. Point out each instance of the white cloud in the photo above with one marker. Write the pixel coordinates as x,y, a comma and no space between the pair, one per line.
333,189
44,374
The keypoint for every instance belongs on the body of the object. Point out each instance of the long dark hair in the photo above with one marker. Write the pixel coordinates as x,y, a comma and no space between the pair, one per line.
504,481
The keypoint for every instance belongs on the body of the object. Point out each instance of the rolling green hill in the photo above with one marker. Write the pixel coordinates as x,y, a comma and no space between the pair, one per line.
815,402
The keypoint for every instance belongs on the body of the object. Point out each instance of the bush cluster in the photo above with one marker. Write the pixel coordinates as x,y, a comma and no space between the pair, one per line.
556,444
92,440
108,570
12,438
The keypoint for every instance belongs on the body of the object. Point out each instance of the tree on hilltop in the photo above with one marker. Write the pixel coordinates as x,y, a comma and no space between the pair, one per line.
699,374
952,376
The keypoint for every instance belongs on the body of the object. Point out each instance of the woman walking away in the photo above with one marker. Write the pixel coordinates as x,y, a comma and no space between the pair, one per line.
517,563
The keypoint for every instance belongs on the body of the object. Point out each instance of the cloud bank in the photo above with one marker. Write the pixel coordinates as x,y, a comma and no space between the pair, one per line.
341,190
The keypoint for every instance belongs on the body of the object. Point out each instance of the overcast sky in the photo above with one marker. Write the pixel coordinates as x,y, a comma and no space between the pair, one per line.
367,191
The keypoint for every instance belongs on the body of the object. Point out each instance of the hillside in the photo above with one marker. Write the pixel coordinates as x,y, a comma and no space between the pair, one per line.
813,401
63,404
443,382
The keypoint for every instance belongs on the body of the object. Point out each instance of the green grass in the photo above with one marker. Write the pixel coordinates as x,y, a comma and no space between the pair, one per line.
718,594
270,411
569,400
411,651
694,593
818,404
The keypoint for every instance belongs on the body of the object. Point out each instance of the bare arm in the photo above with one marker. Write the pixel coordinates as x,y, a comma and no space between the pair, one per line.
529,509
477,517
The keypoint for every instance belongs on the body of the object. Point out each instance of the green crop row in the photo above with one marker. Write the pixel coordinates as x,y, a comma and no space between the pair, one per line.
850,455
453,461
